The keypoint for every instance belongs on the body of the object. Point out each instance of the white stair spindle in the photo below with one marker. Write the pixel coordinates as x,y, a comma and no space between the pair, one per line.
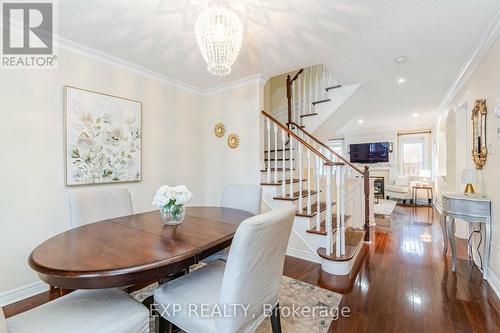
323,88
342,210
328,220
309,174
299,168
310,99
338,238
290,145
283,165
318,198
317,86
276,153
299,100
269,159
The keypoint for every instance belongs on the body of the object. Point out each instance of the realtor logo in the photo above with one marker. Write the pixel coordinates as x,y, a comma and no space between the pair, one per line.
27,35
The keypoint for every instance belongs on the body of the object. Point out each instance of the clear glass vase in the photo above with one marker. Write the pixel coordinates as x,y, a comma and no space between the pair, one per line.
173,215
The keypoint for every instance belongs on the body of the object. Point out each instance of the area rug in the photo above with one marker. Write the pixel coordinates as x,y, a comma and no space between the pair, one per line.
384,207
294,294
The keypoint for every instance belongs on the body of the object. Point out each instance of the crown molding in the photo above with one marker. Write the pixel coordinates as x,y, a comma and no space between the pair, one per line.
484,45
255,78
103,57
94,54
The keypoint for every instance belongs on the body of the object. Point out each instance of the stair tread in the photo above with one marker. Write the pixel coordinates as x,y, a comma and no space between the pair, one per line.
295,196
322,230
333,87
280,182
308,115
276,150
276,169
314,210
278,159
321,101
353,239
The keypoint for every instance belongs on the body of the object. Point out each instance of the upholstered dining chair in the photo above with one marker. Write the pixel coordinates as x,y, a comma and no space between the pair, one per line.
244,197
251,277
92,206
82,311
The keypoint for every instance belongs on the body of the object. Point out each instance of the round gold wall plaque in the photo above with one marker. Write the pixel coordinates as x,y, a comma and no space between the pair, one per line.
219,130
233,141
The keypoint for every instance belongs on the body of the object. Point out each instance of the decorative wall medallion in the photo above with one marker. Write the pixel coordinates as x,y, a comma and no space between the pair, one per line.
233,141
219,130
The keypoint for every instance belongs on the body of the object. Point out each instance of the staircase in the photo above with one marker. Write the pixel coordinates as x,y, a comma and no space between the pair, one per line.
329,193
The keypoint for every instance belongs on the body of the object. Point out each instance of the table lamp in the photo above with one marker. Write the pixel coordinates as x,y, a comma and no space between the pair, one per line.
469,177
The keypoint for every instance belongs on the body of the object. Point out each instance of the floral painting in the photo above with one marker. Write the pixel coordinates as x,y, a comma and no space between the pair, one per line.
103,138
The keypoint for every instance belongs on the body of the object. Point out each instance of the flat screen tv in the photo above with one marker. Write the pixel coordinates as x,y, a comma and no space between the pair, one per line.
377,152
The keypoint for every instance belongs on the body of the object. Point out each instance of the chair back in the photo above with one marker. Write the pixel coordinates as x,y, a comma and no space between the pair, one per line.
92,206
254,268
3,323
244,197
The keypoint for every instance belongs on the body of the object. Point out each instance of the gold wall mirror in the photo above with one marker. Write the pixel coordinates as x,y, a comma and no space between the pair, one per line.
479,148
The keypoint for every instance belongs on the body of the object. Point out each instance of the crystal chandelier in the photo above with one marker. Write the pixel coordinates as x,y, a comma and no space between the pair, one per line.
219,34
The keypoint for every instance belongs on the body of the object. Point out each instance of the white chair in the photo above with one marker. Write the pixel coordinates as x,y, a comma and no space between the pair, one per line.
400,190
92,206
244,197
252,277
82,311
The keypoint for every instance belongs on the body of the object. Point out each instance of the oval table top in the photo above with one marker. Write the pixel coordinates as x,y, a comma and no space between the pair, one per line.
133,249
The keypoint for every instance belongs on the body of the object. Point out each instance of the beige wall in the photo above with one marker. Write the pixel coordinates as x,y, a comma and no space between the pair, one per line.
239,110
483,83
178,148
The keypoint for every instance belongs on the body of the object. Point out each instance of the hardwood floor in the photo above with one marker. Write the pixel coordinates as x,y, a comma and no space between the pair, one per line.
404,284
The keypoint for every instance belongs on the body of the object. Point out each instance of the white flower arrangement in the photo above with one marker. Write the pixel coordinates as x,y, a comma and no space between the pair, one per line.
172,199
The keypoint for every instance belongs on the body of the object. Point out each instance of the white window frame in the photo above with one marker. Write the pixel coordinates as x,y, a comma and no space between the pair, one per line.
423,138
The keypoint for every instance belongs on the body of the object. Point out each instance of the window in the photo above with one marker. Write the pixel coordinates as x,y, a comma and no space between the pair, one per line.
337,146
414,154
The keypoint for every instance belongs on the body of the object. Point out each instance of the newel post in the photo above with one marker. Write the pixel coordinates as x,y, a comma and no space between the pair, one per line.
289,97
366,178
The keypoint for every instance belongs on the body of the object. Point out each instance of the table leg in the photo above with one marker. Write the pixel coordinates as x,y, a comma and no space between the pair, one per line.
451,236
445,233
487,246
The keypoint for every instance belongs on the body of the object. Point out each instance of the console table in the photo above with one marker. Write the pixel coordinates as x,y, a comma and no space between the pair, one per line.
470,209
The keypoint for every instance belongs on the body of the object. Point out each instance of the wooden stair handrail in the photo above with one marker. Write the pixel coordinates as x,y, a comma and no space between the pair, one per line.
327,161
328,148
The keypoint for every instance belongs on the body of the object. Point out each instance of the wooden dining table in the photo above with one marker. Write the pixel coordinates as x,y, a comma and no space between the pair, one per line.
133,249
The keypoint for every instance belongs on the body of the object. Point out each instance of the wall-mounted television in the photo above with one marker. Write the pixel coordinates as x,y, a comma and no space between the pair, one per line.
376,152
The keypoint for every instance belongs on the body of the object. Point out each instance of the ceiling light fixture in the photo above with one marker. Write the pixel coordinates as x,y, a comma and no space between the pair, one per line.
400,60
415,115
360,121
401,80
219,34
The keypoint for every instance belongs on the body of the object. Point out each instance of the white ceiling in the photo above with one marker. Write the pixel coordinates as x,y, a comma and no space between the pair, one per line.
357,39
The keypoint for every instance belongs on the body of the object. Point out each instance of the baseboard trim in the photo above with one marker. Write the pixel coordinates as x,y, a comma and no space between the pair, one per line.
494,282
303,255
18,294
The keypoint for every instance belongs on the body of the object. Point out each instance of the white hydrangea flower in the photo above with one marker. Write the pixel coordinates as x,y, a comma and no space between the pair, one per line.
165,194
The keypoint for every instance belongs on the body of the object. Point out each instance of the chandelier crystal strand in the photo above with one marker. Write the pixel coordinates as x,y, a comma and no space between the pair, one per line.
219,34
